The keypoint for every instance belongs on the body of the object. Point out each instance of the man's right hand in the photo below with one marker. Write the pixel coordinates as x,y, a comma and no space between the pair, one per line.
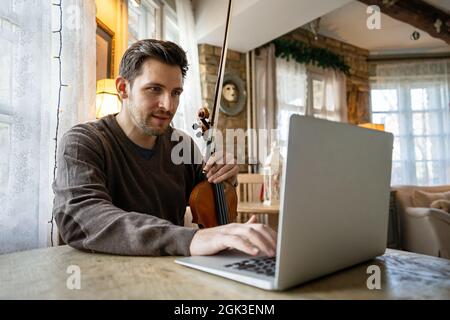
250,237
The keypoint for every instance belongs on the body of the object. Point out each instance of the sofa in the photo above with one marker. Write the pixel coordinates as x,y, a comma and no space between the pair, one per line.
423,229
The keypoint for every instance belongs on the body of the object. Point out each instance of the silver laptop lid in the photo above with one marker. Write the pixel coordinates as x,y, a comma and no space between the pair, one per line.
334,198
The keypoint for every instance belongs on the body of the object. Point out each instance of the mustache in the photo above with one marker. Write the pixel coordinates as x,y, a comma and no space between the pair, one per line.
163,113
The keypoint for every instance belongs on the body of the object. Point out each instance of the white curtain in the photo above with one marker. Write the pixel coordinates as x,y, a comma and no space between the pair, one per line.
264,106
191,98
292,84
412,100
28,108
327,94
334,106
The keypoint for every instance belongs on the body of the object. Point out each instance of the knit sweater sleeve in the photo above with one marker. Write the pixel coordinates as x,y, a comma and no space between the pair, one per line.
86,216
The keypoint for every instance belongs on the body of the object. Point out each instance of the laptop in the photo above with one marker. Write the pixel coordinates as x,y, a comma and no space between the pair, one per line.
334,207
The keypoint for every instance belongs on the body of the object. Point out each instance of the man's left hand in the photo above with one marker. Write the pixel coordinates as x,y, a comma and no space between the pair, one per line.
221,167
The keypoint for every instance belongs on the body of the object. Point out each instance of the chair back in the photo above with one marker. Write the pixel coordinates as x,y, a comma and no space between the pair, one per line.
249,187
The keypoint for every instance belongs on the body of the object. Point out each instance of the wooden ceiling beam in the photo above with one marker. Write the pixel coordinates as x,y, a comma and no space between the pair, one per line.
418,14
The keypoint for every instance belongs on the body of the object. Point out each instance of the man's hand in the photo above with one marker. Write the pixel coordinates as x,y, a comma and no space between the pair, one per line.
221,167
250,237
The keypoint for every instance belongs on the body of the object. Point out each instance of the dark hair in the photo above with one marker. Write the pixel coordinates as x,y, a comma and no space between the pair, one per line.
164,51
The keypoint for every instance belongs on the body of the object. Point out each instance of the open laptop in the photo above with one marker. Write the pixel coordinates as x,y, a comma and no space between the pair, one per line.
333,211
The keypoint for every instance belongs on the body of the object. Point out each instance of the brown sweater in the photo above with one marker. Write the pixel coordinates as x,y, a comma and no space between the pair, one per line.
110,198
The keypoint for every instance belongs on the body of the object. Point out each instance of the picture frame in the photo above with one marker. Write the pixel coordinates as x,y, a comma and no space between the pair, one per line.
105,42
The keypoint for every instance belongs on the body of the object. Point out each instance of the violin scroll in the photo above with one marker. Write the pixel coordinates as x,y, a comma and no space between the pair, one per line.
204,124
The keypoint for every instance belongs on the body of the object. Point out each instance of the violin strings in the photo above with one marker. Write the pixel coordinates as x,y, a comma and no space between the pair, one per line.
219,202
225,204
222,207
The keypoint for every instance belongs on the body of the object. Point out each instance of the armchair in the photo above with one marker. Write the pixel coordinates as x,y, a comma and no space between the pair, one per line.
422,229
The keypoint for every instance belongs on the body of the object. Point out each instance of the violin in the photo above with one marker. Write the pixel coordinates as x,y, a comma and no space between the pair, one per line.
213,204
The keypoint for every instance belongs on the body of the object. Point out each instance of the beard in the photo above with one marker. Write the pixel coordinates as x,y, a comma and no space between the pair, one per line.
144,121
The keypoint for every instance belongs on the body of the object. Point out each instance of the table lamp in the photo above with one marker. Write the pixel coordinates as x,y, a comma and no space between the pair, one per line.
106,100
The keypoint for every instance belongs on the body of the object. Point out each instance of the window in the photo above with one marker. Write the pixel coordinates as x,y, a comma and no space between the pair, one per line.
317,85
144,22
326,94
170,25
416,110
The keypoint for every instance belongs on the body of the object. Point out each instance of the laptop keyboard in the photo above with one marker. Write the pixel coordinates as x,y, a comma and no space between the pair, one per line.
260,265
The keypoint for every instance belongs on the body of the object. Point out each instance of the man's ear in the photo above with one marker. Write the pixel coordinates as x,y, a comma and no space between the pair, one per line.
121,86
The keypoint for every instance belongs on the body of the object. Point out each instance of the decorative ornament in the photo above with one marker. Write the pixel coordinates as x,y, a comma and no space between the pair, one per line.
234,96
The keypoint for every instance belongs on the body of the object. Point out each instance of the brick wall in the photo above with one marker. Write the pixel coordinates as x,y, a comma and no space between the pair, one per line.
209,57
209,61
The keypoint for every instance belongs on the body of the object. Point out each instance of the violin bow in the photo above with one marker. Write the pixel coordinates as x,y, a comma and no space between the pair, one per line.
214,116
223,59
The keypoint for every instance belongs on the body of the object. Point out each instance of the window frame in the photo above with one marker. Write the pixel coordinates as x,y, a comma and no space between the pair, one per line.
159,7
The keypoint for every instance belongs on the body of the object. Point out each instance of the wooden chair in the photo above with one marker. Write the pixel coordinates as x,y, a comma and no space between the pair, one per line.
248,190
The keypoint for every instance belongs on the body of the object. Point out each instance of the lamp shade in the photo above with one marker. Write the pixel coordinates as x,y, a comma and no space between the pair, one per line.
106,100
374,126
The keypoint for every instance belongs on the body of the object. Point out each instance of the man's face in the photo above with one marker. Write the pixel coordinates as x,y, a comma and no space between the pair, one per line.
154,96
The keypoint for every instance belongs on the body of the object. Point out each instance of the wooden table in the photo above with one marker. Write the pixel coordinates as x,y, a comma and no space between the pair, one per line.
246,209
41,274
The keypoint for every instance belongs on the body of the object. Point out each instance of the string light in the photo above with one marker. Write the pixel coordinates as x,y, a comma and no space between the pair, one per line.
58,108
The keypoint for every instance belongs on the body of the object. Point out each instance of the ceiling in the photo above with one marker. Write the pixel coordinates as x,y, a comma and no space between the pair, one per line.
255,22
348,24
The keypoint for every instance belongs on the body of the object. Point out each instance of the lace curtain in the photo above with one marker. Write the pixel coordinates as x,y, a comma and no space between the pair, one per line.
25,39
412,101
28,100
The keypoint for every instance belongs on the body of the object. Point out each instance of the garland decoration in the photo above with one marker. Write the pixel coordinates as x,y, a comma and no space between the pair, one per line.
303,53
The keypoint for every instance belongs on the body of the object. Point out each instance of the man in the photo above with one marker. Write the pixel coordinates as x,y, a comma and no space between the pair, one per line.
117,189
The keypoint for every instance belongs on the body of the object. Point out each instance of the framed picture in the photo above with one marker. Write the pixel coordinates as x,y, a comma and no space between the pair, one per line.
105,51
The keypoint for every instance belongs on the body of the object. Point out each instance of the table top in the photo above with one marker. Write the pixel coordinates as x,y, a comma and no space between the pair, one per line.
257,207
42,274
